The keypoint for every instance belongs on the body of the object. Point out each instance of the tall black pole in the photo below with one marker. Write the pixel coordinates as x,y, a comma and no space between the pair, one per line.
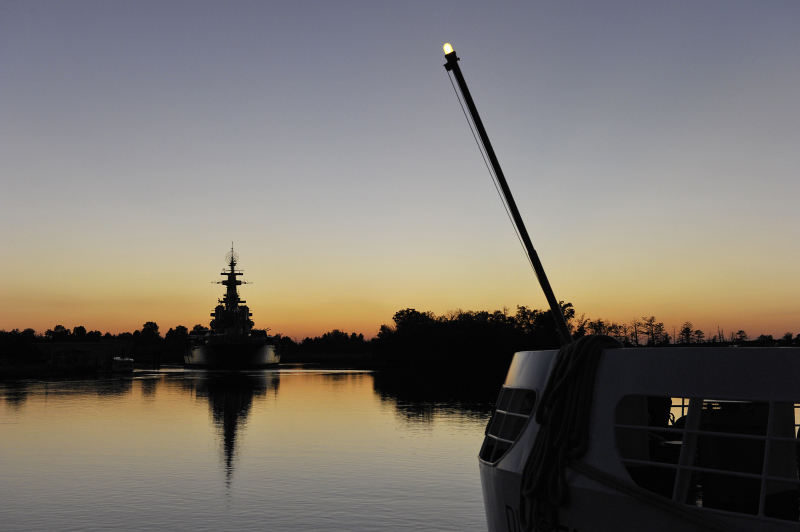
555,308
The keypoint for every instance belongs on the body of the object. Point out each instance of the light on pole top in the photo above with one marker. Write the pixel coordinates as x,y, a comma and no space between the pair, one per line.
448,48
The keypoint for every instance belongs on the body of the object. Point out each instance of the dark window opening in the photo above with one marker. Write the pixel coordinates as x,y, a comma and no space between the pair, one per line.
512,412
735,456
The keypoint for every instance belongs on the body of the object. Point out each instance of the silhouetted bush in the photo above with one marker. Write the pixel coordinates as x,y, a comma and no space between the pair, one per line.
463,343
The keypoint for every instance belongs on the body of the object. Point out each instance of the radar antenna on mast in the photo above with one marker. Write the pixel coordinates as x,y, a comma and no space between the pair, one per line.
232,258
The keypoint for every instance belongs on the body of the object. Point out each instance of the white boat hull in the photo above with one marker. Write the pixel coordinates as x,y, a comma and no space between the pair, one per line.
713,378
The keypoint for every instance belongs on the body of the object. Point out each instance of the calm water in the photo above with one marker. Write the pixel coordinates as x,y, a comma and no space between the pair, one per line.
283,450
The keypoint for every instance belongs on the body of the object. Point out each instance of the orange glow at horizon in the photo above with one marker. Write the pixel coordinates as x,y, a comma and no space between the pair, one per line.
650,185
310,292
314,310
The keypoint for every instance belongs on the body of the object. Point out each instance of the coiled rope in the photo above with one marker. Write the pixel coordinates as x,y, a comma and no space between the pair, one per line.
563,438
563,418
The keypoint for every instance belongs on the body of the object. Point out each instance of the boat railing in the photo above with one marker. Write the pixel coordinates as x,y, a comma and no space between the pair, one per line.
731,456
513,409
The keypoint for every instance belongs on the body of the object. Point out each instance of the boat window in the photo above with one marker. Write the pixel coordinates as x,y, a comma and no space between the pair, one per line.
513,409
725,455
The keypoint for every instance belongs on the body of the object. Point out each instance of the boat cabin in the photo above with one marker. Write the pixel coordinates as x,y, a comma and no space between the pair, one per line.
681,439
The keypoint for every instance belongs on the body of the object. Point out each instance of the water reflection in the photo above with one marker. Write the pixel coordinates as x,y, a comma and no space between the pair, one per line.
230,397
160,450
148,387
114,386
419,396
15,393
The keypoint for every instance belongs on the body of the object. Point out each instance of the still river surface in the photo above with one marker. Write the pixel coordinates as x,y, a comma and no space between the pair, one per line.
293,449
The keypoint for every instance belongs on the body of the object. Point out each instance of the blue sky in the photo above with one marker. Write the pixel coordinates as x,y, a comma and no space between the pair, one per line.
651,148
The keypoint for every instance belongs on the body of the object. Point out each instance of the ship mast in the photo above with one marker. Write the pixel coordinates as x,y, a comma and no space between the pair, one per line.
231,299
231,316
555,308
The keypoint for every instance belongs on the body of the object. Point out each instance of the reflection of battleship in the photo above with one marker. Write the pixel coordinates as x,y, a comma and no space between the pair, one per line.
230,397
231,343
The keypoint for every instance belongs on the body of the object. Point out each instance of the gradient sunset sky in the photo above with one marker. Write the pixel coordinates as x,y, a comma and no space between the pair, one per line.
653,149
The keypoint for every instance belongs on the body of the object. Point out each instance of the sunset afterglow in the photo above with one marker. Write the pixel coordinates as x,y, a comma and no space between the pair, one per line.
651,149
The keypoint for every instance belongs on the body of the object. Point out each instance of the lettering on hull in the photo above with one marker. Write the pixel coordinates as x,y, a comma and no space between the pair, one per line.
512,520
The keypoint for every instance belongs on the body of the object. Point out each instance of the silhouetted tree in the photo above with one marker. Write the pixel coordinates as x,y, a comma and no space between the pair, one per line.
578,326
699,336
285,344
597,326
335,341
410,319
199,330
148,336
635,331
766,340
620,332
150,328
178,335
471,346
59,333
79,333
540,327
655,331
16,348
686,333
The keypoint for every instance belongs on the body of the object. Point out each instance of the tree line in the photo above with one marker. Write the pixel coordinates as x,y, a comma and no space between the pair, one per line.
414,335
475,349
648,331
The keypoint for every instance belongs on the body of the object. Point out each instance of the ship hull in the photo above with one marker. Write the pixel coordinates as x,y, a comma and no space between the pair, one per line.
231,356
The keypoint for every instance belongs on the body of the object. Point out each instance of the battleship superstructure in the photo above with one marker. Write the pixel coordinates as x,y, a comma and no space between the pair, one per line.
231,343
